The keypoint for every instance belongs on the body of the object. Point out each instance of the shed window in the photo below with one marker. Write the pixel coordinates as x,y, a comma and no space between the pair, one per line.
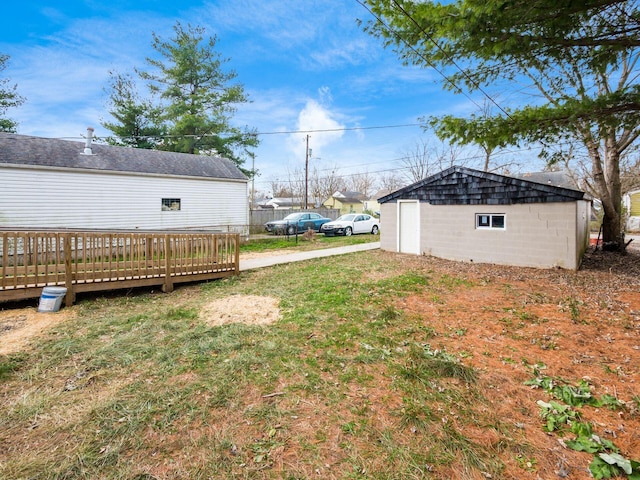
487,220
170,204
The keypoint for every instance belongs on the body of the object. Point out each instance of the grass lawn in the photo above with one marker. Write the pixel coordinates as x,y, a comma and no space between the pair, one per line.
365,366
266,243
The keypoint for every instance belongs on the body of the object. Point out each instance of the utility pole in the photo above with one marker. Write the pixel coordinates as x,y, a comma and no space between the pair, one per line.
306,175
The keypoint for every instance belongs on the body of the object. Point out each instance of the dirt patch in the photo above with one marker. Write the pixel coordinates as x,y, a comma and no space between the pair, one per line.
19,326
575,325
247,309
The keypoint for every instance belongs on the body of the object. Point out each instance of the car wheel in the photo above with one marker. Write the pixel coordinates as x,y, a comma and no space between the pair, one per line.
374,230
348,231
291,230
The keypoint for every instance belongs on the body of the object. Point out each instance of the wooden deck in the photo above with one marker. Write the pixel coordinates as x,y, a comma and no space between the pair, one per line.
84,261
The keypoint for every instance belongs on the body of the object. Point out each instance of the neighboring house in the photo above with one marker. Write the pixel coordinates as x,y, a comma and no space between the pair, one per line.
473,216
632,204
51,183
346,202
280,203
372,205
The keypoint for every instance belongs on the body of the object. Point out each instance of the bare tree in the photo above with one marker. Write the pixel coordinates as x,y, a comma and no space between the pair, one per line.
426,159
297,184
324,184
391,181
364,183
279,188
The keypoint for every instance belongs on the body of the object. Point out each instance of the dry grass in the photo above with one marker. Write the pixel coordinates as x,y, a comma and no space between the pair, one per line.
373,365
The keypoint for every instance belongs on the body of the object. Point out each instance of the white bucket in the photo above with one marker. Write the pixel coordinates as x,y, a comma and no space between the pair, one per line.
51,299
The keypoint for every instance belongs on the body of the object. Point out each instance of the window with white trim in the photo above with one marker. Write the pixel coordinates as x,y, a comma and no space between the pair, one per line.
496,221
170,204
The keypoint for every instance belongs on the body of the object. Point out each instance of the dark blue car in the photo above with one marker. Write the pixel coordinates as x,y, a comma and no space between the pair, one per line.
298,222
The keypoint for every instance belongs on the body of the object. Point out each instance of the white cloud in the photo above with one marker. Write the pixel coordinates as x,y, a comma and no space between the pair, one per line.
321,121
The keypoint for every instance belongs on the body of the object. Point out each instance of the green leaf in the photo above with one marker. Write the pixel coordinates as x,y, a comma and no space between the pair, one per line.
601,469
584,444
617,459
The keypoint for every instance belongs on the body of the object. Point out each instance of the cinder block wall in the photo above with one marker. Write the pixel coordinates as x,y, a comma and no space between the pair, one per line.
542,235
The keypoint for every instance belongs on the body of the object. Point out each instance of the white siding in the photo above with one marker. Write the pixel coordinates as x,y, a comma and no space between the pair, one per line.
55,198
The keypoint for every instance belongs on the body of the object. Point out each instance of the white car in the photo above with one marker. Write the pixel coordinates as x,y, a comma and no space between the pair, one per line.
351,223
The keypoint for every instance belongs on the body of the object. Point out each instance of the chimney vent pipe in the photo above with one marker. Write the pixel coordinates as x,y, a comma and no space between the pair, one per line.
87,143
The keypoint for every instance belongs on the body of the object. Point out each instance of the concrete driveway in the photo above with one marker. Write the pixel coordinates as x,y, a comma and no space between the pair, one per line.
253,263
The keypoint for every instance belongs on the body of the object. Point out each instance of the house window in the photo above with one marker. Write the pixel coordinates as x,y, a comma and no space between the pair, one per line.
170,204
489,220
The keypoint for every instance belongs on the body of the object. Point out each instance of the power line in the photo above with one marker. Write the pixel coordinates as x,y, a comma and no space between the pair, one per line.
282,132
399,168
419,54
342,129
410,47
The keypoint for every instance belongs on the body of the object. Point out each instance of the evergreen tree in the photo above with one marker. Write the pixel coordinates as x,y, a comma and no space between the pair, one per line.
138,123
193,100
8,98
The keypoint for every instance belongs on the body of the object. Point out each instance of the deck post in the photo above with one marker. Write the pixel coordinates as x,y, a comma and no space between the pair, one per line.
167,286
70,297
237,249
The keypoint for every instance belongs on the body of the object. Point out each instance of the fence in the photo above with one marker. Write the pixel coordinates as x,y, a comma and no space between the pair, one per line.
262,216
107,260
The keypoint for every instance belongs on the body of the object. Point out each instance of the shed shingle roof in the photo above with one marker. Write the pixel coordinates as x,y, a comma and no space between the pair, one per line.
51,152
465,186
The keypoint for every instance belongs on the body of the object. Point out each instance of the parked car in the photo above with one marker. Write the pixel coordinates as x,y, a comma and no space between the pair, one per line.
298,222
351,223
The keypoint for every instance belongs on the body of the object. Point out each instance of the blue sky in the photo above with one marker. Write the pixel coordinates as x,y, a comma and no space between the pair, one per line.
305,65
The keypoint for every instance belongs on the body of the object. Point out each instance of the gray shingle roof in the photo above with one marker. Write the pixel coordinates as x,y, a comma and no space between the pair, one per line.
51,152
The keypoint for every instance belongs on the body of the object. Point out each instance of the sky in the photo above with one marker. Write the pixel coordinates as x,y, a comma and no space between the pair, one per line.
306,66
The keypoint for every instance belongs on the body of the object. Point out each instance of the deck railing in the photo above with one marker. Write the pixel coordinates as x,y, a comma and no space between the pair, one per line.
85,261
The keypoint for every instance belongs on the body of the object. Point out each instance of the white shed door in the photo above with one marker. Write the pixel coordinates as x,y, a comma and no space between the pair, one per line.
409,227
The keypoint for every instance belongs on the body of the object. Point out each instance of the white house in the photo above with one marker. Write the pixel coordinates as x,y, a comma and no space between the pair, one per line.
468,215
52,183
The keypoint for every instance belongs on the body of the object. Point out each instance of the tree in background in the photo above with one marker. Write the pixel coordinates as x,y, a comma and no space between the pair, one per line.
362,182
580,57
323,184
391,181
195,96
425,160
9,98
138,122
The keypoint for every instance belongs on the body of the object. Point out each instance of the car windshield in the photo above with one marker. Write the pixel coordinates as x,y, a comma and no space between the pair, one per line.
293,216
346,218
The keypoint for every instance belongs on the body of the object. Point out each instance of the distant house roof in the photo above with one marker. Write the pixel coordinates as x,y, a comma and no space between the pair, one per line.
381,193
278,202
51,152
559,179
465,186
349,197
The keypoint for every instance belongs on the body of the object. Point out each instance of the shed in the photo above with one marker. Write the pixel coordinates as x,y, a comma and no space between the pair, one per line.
53,183
469,215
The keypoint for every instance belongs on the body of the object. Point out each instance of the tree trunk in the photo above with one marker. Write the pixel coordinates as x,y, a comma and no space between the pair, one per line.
607,184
